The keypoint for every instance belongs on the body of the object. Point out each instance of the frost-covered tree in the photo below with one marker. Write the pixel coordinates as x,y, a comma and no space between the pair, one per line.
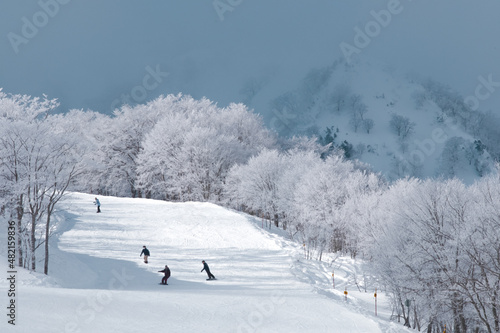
402,126
19,117
328,141
189,151
298,162
39,159
305,192
159,165
66,162
320,203
254,186
206,158
244,125
358,111
121,144
429,242
317,199
482,252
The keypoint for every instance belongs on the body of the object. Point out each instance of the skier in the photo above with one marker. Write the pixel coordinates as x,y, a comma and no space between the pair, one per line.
145,251
167,275
207,269
98,204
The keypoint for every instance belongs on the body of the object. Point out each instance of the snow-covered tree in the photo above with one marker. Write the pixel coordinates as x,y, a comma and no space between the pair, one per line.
321,203
122,141
189,151
298,162
254,185
305,192
430,245
66,162
39,160
19,119
402,126
358,110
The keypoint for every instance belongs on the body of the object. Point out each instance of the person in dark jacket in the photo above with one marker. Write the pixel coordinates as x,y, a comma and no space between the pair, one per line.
145,251
166,271
207,269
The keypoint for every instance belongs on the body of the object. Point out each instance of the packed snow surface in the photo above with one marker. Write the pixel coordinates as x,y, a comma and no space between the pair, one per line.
98,282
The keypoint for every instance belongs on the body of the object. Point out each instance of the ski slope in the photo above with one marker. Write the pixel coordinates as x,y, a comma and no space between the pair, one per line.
98,283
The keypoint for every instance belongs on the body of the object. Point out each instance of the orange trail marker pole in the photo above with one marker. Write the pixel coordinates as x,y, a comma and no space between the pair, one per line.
375,295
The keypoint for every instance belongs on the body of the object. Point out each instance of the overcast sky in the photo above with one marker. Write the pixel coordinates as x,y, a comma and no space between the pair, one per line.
90,53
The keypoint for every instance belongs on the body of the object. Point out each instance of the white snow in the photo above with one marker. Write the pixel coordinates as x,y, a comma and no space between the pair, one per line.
98,283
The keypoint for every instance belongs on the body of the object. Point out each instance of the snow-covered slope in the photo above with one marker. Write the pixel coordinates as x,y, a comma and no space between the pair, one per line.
98,282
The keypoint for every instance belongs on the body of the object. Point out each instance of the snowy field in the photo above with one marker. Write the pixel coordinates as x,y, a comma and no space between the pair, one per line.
98,283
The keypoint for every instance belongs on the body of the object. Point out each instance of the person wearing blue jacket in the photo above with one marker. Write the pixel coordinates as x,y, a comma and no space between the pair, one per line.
98,204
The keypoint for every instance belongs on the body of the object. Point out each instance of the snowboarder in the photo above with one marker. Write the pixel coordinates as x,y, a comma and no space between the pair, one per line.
145,251
167,275
98,204
207,269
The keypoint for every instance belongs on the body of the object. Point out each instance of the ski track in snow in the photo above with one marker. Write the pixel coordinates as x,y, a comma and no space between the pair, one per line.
98,282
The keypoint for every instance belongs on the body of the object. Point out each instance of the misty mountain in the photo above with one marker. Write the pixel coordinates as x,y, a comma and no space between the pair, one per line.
401,125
